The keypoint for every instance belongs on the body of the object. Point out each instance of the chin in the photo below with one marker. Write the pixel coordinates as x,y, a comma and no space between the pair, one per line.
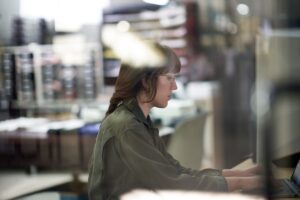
162,105
165,105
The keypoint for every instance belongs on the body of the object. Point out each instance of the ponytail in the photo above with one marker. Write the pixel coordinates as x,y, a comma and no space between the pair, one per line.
113,104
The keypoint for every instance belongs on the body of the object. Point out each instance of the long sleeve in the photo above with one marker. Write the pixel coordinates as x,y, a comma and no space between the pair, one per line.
156,171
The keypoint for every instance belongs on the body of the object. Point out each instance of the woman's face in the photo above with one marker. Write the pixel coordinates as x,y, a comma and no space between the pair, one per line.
166,83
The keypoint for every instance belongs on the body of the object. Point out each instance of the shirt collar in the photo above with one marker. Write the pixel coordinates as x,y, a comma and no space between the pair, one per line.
132,105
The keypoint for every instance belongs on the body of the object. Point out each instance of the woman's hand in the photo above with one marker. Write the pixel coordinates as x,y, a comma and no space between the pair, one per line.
244,183
251,171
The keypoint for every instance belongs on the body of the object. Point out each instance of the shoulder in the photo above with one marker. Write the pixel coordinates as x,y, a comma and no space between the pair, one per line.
121,121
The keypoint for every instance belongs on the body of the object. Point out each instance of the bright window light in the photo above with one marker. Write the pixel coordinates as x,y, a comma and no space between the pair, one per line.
242,9
157,2
69,15
38,9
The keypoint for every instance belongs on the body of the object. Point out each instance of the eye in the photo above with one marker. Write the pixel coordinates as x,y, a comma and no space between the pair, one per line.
170,77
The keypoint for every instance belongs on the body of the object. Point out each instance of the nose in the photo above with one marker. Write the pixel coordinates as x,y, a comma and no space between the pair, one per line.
174,85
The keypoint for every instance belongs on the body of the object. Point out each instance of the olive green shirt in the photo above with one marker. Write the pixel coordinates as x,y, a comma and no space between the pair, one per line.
129,154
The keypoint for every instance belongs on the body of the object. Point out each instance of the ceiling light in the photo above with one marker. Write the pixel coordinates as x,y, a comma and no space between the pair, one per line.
242,9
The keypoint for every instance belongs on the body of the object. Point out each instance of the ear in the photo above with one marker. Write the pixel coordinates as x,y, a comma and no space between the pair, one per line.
145,83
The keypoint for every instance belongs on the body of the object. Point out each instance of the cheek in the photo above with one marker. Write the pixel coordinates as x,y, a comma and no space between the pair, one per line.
162,90
162,95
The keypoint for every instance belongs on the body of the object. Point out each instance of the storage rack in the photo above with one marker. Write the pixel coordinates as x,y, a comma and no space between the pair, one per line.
38,76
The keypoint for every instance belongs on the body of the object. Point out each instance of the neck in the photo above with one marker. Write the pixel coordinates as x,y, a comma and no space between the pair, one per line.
144,105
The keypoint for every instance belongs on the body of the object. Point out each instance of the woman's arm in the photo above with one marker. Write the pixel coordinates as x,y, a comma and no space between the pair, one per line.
154,170
185,170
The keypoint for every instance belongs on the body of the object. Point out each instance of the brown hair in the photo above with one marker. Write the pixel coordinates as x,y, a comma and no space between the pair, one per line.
129,82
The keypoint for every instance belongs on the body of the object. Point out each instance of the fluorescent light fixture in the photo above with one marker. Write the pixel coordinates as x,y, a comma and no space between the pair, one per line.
157,2
242,9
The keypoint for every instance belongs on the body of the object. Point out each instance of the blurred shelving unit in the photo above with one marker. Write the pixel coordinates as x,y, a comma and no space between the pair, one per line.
51,76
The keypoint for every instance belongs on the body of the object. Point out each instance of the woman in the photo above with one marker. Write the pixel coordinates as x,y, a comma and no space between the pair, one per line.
128,152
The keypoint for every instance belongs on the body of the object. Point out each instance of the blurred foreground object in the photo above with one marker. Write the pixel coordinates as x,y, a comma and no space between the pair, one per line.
173,195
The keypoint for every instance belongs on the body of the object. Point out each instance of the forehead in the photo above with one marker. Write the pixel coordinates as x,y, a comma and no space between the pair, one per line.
172,60
171,70
174,64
